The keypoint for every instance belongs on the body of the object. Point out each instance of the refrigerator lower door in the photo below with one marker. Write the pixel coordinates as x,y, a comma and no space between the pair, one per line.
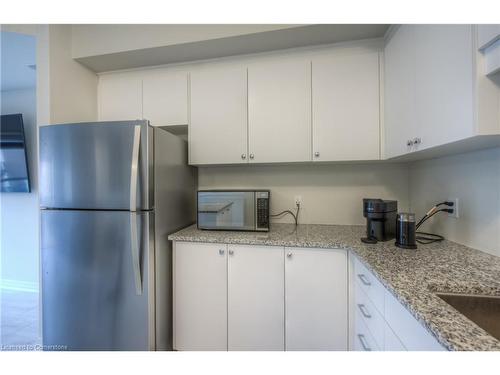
100,165
97,280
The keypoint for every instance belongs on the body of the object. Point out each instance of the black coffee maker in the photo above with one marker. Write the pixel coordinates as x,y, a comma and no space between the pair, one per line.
380,220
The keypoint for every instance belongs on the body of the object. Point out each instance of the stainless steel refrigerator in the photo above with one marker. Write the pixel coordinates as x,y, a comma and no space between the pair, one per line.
110,194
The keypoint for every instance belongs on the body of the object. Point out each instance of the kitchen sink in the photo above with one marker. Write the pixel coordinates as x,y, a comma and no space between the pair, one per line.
482,310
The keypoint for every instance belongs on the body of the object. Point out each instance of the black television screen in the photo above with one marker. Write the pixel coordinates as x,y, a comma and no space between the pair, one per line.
13,161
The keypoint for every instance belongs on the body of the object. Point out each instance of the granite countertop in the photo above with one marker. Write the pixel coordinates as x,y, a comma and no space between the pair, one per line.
412,276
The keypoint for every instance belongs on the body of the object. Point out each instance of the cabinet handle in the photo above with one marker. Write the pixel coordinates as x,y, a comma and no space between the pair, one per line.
251,156
243,156
221,252
409,142
231,252
364,311
316,154
289,255
363,342
363,279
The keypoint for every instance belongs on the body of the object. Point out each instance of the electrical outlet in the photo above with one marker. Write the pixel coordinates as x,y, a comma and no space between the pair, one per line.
298,200
456,208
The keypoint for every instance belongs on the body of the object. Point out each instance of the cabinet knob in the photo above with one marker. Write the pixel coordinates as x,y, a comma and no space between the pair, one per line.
243,156
221,252
289,255
409,142
251,156
417,141
316,154
231,252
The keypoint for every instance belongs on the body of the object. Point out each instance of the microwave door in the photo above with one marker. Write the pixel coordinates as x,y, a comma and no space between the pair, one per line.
226,210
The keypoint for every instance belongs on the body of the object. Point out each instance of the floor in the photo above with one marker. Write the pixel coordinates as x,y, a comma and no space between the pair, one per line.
19,316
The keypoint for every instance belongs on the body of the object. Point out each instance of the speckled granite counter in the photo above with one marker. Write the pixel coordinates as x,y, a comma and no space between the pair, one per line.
412,276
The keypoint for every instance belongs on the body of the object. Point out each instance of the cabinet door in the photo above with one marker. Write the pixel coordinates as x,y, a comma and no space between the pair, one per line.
165,98
409,331
200,296
120,97
399,91
345,107
255,298
316,299
279,111
218,124
391,341
444,84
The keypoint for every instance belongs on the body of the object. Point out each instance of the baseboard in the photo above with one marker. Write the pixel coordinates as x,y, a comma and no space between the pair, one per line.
18,285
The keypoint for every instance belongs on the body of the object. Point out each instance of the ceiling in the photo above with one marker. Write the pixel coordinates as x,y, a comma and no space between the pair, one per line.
17,54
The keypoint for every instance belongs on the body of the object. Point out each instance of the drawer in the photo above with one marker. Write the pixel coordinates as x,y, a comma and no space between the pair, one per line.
372,318
408,329
369,284
363,339
391,341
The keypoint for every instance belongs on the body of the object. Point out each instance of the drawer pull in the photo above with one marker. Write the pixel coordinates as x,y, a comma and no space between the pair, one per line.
363,279
363,342
364,310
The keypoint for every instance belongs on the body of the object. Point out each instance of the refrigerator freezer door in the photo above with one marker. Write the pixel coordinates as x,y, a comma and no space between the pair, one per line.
98,288
96,166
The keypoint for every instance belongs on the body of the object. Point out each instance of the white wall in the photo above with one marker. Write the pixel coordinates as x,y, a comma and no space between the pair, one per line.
473,178
331,193
66,91
73,87
19,211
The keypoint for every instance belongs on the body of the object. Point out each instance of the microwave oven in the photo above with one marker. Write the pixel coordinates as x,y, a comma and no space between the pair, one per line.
244,210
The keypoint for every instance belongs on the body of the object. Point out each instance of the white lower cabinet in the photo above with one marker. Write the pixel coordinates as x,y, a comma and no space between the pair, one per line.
409,331
200,296
316,306
369,314
380,321
236,297
363,339
255,298
250,297
391,342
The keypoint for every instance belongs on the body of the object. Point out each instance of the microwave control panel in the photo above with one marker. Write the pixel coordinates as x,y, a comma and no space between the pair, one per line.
262,208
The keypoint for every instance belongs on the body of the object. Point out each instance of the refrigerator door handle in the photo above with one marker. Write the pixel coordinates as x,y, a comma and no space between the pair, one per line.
135,248
134,168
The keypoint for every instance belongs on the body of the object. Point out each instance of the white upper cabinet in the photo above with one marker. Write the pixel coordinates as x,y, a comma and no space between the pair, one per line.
218,124
120,97
316,299
279,111
435,89
165,97
399,91
255,298
346,107
443,84
158,95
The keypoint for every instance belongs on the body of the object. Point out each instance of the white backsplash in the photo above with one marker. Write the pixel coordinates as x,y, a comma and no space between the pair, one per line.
331,193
